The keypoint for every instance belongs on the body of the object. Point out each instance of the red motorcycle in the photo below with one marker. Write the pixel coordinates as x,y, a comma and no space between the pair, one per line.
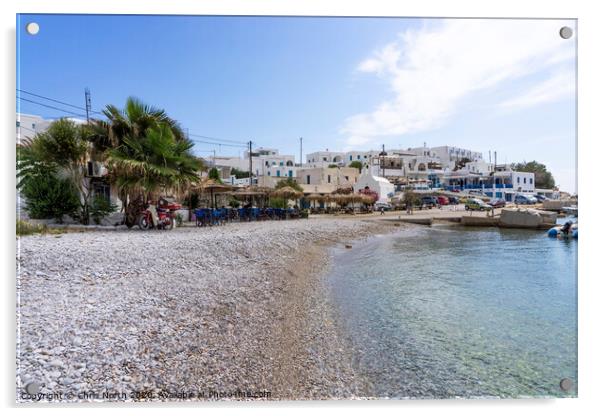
162,216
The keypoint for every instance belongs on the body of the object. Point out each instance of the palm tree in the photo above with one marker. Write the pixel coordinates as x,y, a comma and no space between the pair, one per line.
152,162
146,151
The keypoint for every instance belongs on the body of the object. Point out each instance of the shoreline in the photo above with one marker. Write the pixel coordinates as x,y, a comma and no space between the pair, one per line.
234,308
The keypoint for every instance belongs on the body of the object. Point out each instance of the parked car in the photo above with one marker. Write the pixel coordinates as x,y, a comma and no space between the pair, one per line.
383,205
525,200
442,200
497,203
540,198
455,190
474,204
430,202
453,200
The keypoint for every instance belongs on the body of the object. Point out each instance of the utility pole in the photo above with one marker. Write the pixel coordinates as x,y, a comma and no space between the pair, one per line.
213,157
382,160
300,152
250,163
88,104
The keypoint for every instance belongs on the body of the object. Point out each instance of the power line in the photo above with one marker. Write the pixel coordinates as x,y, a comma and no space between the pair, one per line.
52,107
217,139
56,101
217,144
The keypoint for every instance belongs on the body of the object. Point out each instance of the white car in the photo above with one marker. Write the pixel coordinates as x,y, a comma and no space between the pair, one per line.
383,205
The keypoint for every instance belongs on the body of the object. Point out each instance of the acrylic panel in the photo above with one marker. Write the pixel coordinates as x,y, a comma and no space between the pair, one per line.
295,208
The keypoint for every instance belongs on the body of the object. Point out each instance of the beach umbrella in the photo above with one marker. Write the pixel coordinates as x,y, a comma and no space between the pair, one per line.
367,199
342,191
287,193
214,187
314,197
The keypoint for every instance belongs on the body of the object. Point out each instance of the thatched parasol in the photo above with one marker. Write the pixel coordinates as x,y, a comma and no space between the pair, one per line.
288,193
214,187
367,199
315,197
340,199
342,191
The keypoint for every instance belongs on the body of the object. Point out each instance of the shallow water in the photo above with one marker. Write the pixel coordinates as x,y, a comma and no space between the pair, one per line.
448,311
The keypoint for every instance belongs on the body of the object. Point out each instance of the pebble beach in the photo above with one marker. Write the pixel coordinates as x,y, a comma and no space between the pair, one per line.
235,312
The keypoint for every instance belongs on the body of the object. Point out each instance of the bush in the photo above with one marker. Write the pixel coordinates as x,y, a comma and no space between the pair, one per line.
234,203
50,197
100,208
276,202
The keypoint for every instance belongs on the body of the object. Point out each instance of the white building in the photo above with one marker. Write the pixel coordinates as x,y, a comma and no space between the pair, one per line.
28,125
326,180
380,185
325,159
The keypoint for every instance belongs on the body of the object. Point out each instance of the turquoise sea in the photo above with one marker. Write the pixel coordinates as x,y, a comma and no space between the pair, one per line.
448,311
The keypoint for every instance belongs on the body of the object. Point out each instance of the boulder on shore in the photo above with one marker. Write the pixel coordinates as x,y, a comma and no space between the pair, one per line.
526,218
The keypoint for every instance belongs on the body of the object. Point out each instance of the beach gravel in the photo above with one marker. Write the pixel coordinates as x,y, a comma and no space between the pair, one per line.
231,312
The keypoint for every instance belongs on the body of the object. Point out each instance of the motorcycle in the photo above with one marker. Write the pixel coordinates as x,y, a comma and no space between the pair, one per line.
162,216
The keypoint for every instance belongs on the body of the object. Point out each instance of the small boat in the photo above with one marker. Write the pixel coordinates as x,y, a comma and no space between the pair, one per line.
562,231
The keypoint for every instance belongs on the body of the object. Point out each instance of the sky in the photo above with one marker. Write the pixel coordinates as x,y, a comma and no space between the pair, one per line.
340,83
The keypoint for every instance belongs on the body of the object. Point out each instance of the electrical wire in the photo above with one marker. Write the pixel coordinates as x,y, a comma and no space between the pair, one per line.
52,107
57,101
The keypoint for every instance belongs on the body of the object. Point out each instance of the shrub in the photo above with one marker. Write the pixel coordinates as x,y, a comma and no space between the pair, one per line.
234,203
277,202
100,208
50,197
179,219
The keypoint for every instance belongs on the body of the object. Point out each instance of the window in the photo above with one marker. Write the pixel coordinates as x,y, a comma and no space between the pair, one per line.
101,189
290,173
273,163
346,178
350,157
358,157
524,180
325,159
267,163
308,179
281,163
365,156
278,173
269,173
517,179
18,124
328,178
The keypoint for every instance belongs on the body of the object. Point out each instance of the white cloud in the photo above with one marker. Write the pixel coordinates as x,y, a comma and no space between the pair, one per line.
558,86
431,70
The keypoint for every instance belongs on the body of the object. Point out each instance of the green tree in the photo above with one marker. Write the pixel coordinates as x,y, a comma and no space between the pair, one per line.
240,174
332,165
410,198
146,151
543,178
289,182
153,162
214,174
356,164
61,150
